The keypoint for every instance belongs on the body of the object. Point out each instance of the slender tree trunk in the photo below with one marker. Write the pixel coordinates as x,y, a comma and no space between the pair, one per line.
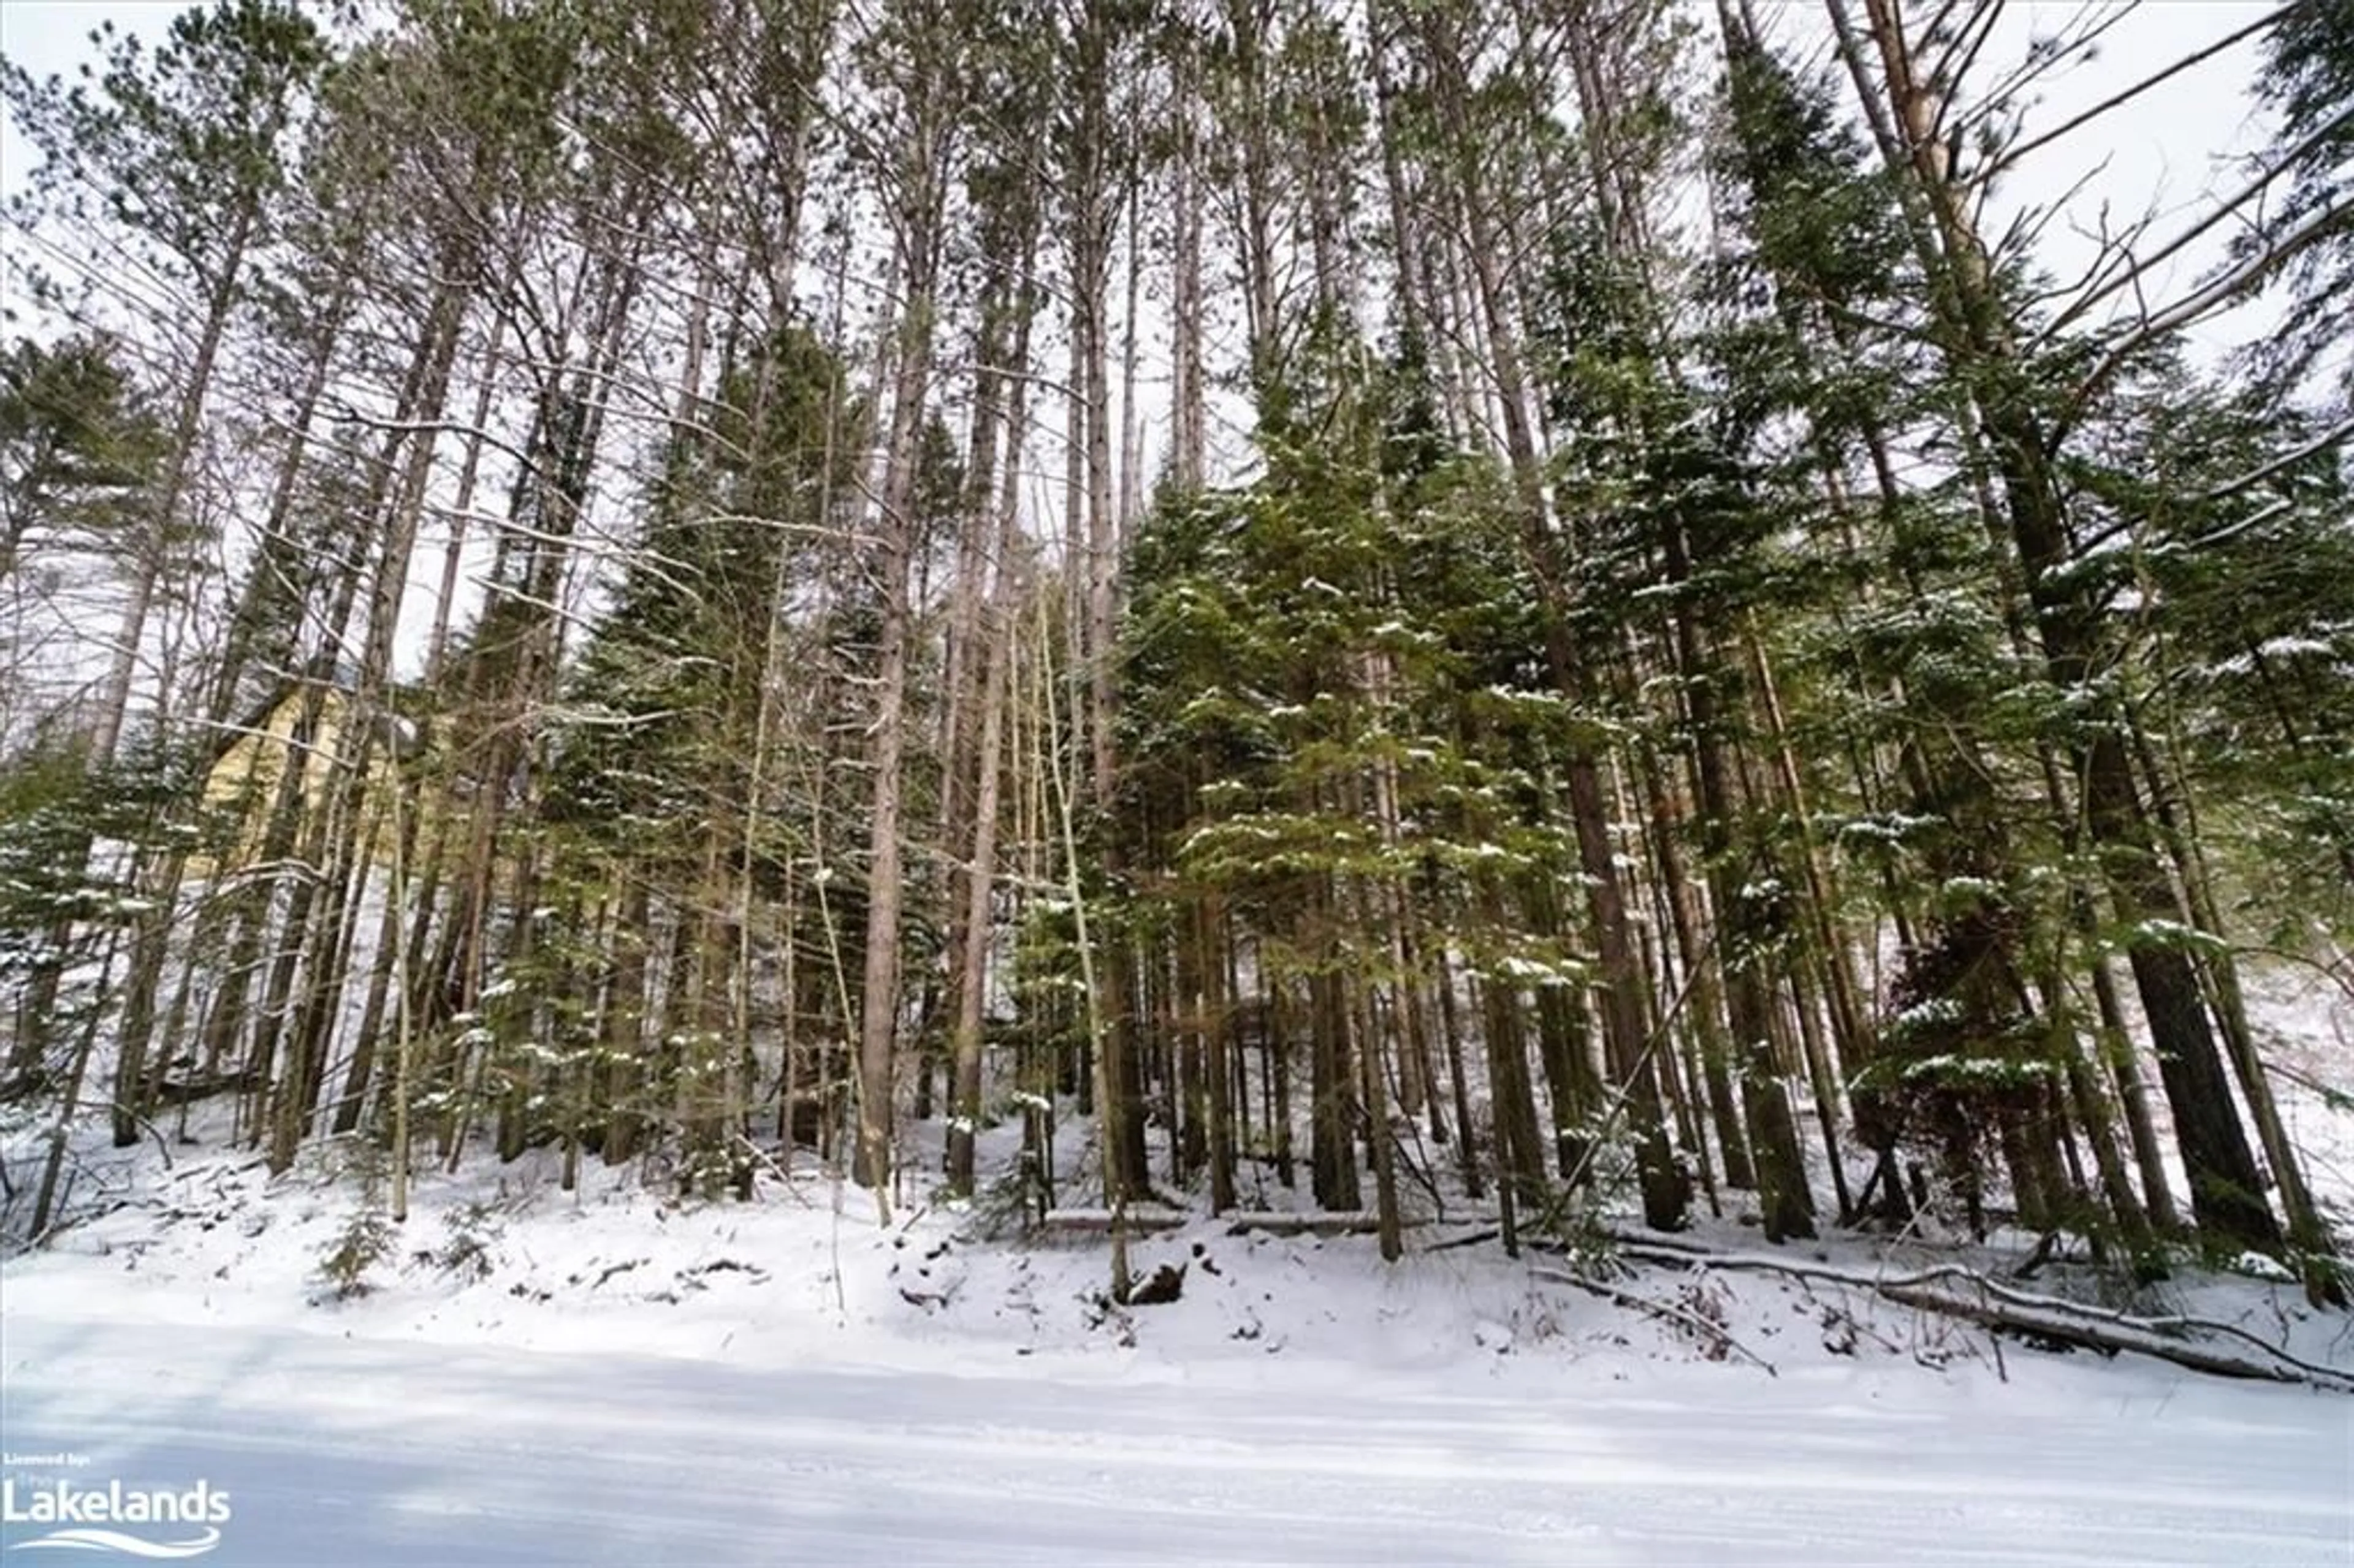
1975,338
918,196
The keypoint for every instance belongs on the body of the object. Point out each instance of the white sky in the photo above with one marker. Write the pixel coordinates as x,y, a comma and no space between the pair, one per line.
52,36
2168,153
2168,150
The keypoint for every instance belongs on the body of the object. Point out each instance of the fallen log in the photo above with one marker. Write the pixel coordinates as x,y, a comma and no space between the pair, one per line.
1237,1223
1710,1333
1954,1291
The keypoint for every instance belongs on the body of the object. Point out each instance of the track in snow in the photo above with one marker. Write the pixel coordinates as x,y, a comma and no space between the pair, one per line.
355,1453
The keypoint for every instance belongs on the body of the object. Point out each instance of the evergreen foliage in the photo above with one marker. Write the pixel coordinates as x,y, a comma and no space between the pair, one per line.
1649,662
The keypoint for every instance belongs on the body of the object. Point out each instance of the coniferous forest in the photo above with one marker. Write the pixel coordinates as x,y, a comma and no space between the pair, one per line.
1219,603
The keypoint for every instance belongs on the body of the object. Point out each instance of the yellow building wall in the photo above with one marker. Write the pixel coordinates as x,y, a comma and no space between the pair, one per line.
244,780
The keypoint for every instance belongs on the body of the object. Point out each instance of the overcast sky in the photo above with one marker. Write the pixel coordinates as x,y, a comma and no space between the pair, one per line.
2170,149
52,38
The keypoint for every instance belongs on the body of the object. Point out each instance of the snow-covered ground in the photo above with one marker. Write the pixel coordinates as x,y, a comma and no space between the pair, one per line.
537,1377
369,1451
528,1375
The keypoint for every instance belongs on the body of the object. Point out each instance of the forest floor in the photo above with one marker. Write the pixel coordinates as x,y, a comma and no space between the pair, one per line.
522,1374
